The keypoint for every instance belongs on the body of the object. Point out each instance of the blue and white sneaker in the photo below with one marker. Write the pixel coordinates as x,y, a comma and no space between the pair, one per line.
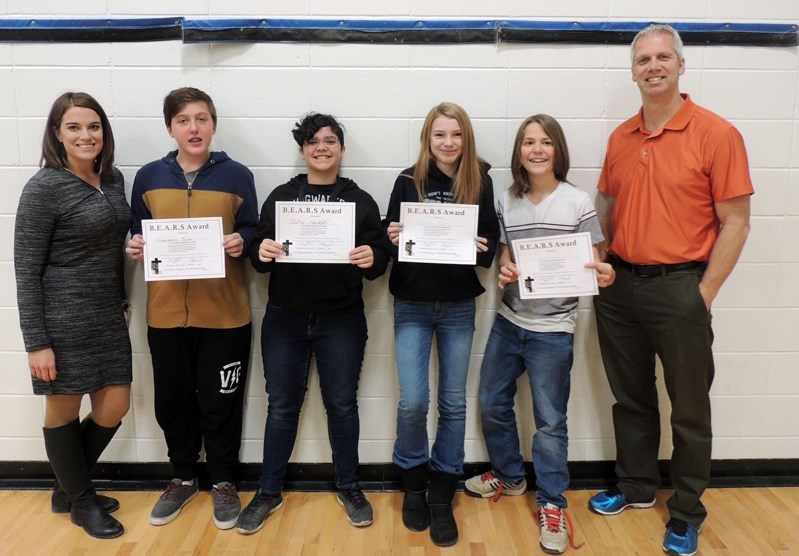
681,538
613,501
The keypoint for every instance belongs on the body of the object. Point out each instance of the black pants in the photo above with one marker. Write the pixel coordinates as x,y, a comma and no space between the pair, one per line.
199,375
638,318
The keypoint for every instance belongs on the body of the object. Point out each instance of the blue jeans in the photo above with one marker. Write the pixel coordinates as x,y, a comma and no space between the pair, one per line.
547,357
288,341
415,322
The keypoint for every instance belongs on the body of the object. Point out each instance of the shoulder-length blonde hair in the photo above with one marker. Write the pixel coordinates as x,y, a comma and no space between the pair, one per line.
53,153
521,181
468,180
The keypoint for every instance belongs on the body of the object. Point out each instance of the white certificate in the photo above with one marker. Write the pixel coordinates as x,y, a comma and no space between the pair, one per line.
183,248
315,232
554,266
439,233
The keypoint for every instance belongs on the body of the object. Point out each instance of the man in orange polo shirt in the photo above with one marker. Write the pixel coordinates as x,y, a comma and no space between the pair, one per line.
676,187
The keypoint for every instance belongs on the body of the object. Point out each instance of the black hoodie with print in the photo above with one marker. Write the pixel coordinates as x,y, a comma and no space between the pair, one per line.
321,287
439,282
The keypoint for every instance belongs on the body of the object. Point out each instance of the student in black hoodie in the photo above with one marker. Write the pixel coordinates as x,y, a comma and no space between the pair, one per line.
437,299
315,310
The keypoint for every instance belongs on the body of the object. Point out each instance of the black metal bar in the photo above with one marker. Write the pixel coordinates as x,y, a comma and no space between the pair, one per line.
91,35
710,38
382,31
394,36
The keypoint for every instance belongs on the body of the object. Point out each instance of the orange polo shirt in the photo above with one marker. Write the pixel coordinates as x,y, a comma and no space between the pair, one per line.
666,184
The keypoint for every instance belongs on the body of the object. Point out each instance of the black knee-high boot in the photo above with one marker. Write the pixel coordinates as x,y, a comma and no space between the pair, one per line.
443,529
65,452
95,439
415,514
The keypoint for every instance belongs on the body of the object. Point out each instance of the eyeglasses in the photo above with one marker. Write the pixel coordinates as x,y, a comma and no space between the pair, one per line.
329,141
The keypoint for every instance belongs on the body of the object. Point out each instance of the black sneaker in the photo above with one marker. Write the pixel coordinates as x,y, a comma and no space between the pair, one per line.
253,517
226,505
359,510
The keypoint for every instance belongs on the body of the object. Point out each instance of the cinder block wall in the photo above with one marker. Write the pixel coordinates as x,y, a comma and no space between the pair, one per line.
382,93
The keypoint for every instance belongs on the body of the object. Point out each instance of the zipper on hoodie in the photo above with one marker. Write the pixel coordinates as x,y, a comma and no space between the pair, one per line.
188,192
189,183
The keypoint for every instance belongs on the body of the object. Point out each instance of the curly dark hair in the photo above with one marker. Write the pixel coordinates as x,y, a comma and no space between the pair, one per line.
311,123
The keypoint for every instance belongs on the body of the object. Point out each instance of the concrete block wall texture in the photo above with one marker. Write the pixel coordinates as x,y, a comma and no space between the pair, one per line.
382,93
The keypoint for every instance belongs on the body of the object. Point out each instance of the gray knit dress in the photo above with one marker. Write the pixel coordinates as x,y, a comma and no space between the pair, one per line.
68,259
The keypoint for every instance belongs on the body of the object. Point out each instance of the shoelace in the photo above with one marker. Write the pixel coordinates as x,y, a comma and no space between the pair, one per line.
679,526
614,491
356,498
170,490
552,520
225,493
496,484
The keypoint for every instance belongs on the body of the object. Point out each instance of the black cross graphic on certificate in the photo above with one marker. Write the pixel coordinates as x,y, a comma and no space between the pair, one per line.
409,246
528,283
154,264
286,245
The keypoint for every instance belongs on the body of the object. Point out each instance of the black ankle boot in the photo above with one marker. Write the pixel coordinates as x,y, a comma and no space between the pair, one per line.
443,529
65,452
87,513
95,438
415,513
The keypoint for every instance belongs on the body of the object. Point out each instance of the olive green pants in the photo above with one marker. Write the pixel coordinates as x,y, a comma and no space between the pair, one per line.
639,318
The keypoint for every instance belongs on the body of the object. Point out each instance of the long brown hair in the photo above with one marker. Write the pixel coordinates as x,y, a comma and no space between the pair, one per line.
521,181
467,182
53,153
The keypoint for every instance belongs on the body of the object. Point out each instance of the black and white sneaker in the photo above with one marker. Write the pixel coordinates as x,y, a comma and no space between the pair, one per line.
358,508
253,517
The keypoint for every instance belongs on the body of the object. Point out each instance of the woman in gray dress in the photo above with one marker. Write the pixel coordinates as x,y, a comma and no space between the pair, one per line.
68,256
